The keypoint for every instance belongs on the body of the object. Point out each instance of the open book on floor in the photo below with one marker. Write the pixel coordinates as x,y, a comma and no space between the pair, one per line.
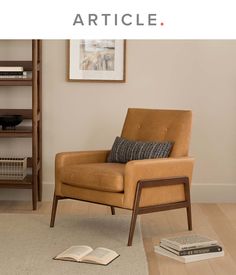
85,254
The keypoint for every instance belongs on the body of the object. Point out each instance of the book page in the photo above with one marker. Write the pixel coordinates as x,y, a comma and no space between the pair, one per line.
74,253
100,255
189,239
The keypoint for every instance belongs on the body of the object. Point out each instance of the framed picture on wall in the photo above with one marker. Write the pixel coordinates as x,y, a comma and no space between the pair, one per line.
97,60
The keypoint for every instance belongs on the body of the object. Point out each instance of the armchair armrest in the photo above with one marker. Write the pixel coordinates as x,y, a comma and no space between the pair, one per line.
70,158
154,169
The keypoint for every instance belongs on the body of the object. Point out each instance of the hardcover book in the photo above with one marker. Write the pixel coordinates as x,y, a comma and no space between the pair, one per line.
194,251
188,242
188,258
85,254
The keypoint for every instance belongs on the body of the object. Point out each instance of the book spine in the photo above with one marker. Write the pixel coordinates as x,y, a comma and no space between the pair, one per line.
10,73
200,251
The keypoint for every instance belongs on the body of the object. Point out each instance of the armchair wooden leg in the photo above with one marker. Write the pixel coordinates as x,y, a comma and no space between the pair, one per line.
132,227
54,210
113,212
188,202
135,212
189,216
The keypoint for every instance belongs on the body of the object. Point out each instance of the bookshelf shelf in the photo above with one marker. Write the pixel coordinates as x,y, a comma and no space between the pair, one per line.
21,131
26,64
26,183
15,82
26,113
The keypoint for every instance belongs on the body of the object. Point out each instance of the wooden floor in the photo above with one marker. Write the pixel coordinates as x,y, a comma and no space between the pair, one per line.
213,220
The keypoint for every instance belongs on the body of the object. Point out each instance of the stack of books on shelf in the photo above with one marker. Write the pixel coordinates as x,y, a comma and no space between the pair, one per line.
189,248
12,72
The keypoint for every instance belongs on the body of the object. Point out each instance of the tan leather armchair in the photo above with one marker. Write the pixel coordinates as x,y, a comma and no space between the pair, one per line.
142,186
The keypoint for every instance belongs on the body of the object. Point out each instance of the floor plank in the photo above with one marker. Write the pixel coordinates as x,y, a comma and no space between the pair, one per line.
226,234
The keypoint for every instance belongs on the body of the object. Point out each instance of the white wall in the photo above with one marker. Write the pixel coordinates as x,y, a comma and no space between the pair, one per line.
197,75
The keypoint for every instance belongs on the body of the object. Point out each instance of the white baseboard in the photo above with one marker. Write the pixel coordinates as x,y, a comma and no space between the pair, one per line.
213,193
200,192
26,194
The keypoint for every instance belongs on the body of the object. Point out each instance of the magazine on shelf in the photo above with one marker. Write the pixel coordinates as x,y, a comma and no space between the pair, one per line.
85,254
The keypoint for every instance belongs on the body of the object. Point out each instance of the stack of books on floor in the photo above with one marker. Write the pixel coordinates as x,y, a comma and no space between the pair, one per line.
12,72
189,248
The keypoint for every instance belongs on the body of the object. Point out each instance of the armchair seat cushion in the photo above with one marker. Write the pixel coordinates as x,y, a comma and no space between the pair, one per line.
108,177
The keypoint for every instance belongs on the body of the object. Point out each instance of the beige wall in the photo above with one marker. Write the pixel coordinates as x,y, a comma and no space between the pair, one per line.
197,75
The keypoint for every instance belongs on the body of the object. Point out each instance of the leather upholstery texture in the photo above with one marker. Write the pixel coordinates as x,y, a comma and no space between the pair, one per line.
106,177
160,125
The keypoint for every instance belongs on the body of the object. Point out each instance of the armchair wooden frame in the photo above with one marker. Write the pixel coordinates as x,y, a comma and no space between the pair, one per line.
147,209
140,185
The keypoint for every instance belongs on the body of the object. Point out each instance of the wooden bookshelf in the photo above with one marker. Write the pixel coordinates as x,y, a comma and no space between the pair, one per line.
33,68
26,113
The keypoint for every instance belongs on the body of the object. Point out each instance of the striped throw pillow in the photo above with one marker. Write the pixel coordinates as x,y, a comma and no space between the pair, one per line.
124,150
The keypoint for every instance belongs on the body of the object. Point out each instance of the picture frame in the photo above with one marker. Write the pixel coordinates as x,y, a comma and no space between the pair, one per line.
97,60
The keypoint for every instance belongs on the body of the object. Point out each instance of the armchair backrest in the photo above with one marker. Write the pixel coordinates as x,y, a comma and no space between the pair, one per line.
160,125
